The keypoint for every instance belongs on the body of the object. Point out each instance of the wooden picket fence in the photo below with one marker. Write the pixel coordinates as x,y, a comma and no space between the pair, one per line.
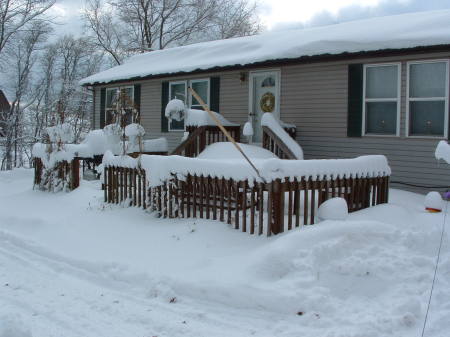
125,185
256,208
66,171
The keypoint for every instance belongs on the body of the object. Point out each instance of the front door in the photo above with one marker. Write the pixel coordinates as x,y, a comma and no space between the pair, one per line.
264,96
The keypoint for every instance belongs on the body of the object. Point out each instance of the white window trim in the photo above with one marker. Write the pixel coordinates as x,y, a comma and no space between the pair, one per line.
446,98
366,100
115,89
188,96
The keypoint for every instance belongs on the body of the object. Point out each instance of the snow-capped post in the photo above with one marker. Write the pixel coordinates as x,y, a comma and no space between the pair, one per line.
248,131
225,132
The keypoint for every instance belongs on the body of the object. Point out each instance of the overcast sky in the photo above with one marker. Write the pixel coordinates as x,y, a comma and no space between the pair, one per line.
280,14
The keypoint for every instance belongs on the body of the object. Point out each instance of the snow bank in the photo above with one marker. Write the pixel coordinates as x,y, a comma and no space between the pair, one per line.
390,32
13,326
202,118
161,168
443,151
269,121
228,152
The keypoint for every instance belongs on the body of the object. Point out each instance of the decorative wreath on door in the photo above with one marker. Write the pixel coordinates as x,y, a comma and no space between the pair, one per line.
267,102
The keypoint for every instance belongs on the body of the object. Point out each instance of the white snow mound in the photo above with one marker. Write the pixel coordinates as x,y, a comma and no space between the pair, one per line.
333,209
434,200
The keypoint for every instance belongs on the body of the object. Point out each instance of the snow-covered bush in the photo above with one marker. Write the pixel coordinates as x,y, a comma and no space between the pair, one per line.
134,132
175,110
113,134
61,133
333,209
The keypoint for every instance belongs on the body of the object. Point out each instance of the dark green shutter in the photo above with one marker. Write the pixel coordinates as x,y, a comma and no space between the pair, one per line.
93,108
137,100
355,100
214,94
164,101
102,107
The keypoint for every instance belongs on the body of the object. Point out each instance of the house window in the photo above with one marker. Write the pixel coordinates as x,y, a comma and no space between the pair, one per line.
381,104
111,104
427,99
179,90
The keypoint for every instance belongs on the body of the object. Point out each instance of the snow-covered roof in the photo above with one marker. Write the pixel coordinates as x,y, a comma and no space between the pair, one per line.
391,32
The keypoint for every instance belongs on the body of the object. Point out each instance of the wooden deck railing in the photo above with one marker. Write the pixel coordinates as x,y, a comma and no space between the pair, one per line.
275,145
200,137
257,208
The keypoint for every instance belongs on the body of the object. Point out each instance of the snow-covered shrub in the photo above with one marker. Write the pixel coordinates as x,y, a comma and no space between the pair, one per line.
113,134
175,110
433,202
333,209
61,133
134,132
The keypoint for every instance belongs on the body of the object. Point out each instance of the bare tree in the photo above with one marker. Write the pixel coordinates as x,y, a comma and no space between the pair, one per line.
124,27
22,57
16,15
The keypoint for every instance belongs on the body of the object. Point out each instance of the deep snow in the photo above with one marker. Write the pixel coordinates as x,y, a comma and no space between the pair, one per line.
73,266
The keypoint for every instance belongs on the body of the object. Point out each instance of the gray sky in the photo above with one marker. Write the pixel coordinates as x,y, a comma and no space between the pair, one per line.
280,14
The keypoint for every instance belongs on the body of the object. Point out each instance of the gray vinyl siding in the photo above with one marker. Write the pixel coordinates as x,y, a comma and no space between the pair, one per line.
314,98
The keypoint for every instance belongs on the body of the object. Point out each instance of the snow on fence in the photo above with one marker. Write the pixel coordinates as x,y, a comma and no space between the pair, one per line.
289,196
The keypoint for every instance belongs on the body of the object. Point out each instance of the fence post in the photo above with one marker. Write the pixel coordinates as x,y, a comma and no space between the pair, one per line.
277,207
75,176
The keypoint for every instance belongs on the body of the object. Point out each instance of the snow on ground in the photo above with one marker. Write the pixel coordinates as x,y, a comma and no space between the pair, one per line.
72,266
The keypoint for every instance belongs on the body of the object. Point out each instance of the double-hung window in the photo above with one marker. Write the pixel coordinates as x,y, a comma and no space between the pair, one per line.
112,95
179,91
427,99
381,99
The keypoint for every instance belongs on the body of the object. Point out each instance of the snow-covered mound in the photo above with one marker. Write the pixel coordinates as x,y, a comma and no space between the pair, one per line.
333,209
227,151
390,32
443,151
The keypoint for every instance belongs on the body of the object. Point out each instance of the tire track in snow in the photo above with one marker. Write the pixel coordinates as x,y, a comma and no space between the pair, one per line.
131,303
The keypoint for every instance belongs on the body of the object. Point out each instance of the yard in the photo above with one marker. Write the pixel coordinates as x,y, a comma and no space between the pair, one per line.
72,266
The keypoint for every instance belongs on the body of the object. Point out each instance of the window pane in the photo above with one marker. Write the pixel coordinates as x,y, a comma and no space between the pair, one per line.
201,88
177,125
382,82
178,91
427,79
427,118
111,97
129,99
381,117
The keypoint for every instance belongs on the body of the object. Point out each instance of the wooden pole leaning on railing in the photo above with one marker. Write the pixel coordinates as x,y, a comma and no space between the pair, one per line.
225,132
